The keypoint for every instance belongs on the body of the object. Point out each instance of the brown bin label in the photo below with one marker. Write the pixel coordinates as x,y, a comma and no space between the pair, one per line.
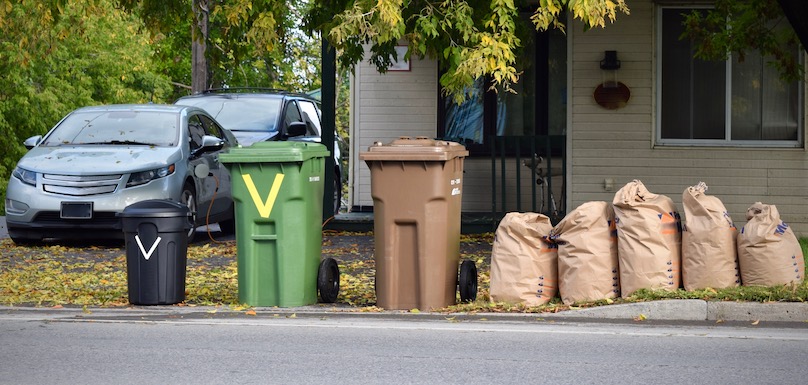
456,182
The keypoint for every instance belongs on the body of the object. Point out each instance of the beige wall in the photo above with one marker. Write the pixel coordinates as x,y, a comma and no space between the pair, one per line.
604,144
619,144
385,107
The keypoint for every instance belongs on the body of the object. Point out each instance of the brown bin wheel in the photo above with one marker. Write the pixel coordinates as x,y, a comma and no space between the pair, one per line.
328,281
467,282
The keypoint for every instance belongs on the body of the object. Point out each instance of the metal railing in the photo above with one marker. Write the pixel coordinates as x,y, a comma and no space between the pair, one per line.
536,155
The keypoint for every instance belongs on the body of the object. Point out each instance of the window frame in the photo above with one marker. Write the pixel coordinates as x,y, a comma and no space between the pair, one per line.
727,141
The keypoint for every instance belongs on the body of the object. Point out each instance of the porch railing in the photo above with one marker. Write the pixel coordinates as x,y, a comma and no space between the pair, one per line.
538,155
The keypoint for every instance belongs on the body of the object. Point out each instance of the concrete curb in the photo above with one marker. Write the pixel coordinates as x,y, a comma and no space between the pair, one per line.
664,310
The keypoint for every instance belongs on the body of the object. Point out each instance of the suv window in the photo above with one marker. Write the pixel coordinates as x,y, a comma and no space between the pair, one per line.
291,115
311,117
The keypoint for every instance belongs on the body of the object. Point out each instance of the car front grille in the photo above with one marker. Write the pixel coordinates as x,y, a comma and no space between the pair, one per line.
84,185
99,219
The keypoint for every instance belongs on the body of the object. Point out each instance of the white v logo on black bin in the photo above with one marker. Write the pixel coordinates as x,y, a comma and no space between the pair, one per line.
142,250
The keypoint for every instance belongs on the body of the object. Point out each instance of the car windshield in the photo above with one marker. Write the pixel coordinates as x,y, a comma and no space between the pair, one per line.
152,128
241,114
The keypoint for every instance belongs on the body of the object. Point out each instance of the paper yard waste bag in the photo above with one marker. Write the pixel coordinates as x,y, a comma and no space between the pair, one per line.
524,266
709,252
649,240
768,251
587,254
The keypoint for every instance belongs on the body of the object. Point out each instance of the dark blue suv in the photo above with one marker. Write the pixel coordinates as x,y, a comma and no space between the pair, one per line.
258,114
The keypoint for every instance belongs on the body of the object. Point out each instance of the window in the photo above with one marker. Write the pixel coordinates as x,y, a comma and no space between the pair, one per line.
311,117
721,103
291,115
538,106
196,131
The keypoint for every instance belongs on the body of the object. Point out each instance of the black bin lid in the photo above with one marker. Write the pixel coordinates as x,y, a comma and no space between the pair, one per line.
156,208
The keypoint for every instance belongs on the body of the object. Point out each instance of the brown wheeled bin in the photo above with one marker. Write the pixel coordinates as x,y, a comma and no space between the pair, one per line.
416,185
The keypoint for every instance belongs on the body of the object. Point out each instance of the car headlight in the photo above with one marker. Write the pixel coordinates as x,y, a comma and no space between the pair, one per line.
27,177
143,177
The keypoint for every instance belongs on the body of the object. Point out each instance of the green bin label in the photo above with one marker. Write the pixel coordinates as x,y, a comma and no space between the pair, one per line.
264,207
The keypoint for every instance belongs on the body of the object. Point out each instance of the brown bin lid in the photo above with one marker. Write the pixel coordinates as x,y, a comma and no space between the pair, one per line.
417,149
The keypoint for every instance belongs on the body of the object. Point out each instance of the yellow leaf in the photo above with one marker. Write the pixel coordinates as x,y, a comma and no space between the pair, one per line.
212,311
640,317
609,301
86,310
294,315
415,311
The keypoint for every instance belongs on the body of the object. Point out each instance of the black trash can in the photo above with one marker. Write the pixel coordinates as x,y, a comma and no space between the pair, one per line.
156,251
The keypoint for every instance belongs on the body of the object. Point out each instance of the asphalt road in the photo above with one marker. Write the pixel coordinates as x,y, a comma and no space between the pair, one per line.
42,347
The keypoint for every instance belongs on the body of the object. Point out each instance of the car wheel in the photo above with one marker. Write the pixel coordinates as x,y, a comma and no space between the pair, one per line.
188,198
337,193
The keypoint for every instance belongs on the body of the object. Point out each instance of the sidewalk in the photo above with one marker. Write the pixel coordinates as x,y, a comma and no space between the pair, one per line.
665,310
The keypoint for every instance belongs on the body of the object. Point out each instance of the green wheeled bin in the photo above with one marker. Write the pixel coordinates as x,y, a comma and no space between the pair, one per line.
278,192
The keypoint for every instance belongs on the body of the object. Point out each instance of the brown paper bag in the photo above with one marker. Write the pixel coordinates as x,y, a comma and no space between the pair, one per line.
709,253
649,240
524,266
587,254
768,251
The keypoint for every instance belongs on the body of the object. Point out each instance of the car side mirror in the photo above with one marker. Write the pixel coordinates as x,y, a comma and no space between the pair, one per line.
209,143
296,129
32,141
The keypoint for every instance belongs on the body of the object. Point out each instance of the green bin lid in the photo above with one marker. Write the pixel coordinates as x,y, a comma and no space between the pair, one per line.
275,152
416,149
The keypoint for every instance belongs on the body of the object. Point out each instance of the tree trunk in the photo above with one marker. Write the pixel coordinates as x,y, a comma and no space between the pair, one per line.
199,35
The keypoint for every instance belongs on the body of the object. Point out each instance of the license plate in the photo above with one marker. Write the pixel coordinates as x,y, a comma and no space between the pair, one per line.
80,210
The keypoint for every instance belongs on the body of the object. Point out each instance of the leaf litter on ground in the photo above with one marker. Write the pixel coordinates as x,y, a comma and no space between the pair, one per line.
60,275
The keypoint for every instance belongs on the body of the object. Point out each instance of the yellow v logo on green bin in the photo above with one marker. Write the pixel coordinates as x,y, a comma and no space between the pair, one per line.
264,208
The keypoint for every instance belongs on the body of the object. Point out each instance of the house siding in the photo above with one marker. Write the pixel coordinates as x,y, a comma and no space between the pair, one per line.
385,107
619,144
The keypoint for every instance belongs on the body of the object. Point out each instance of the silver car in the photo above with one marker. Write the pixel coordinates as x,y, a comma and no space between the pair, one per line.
74,181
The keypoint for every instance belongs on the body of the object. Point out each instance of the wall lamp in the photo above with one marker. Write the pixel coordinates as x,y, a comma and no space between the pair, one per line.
611,94
610,61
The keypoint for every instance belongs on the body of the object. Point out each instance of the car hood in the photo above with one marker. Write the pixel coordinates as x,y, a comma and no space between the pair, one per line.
246,138
82,160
